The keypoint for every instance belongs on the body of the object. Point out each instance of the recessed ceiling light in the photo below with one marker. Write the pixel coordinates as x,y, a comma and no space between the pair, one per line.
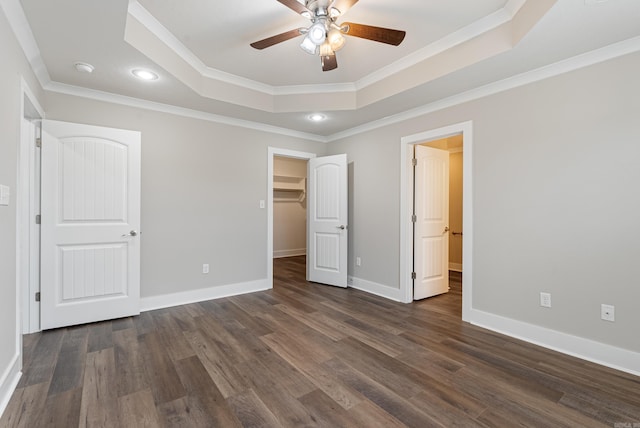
317,117
144,74
83,67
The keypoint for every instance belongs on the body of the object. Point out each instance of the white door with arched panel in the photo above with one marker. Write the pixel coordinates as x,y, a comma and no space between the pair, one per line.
90,210
431,233
327,220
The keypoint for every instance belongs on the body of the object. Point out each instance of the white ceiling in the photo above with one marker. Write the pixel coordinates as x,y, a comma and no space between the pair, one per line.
201,51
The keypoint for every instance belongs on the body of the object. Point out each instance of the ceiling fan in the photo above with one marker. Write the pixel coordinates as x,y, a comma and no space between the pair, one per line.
325,36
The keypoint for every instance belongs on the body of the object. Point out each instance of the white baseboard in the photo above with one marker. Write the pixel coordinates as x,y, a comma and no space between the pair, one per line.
456,267
289,253
586,349
375,288
200,295
9,381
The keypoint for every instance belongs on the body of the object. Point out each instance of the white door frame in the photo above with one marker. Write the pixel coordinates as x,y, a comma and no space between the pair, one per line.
28,309
272,152
406,207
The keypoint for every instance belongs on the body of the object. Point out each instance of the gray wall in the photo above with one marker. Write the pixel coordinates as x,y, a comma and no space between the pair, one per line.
13,65
201,186
556,167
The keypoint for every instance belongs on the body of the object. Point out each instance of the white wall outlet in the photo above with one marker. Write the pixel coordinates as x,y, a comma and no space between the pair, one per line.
608,312
358,261
262,203
205,268
545,300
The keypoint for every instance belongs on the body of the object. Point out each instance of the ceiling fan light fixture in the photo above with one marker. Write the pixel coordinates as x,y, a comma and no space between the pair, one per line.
317,32
335,39
334,13
308,46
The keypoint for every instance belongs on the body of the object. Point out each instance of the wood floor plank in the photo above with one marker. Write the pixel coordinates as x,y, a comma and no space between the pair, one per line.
200,388
219,367
161,373
309,355
99,405
139,410
129,359
251,411
170,333
381,396
43,358
60,410
70,364
100,336
185,412
281,399
25,406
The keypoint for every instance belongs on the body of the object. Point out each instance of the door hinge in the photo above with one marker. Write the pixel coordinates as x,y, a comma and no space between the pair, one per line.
38,219
37,296
39,142
413,275
414,218
414,162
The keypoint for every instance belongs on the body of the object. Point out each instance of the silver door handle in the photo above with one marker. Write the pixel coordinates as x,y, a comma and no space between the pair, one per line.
132,233
342,227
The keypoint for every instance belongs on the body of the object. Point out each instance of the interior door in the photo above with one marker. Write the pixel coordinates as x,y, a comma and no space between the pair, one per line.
431,233
90,253
327,220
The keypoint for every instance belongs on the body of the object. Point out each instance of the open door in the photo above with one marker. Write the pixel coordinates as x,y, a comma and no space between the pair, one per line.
327,220
90,252
431,233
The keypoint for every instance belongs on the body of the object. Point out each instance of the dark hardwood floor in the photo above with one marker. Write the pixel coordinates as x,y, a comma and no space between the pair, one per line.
304,354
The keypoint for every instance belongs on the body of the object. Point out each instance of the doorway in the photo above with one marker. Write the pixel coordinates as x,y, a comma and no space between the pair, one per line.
287,163
406,208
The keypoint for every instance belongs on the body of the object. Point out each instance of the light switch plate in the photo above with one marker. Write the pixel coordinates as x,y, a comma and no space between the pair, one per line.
5,194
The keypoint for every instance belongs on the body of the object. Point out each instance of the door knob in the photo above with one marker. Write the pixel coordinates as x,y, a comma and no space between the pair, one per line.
132,233
342,227
446,229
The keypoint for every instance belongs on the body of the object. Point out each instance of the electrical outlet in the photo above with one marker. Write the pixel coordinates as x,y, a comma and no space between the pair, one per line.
262,204
358,261
205,268
608,312
545,300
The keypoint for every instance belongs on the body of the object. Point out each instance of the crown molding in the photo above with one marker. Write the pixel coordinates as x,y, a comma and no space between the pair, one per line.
574,63
108,97
22,30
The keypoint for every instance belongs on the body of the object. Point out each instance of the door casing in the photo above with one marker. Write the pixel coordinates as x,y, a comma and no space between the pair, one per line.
406,209
272,152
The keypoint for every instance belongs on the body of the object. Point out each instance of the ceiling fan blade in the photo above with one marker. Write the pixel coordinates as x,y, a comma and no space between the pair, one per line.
343,5
295,6
329,62
274,40
377,34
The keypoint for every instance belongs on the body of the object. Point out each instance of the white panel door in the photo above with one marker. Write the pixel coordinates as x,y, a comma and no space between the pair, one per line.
327,220
90,253
431,235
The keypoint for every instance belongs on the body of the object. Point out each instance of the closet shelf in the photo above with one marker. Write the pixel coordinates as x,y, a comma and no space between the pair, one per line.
289,188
